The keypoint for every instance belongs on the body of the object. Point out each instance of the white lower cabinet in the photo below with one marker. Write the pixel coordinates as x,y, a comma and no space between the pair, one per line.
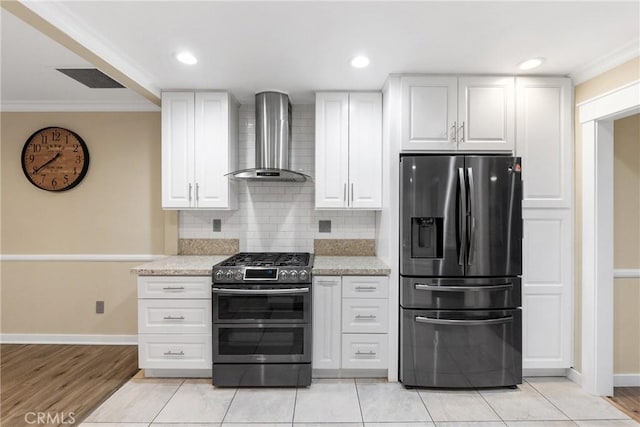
174,325
364,351
350,322
174,351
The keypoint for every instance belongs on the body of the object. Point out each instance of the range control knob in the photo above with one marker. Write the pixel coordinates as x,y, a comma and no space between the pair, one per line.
304,275
229,275
219,275
238,275
294,275
283,274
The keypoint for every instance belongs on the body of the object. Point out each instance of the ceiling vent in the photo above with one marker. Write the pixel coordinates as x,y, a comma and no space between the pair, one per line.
91,77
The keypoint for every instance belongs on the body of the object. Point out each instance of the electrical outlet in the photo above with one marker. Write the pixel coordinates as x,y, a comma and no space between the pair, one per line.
217,225
324,226
99,307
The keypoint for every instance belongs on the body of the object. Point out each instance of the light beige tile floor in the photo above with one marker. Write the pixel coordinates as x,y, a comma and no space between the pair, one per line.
538,402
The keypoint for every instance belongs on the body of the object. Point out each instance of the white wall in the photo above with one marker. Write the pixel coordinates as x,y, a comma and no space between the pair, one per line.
277,216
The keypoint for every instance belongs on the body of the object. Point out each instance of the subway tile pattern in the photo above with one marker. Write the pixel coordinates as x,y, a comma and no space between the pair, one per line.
539,402
277,216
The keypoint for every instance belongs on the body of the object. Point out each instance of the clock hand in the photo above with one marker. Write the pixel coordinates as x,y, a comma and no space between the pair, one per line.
35,171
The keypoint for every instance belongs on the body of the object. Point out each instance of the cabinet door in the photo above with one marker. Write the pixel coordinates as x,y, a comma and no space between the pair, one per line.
365,150
332,149
486,113
177,149
211,150
544,140
429,113
547,297
326,322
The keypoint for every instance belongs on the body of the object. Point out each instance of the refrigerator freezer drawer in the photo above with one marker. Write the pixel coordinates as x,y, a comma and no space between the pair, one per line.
460,293
460,349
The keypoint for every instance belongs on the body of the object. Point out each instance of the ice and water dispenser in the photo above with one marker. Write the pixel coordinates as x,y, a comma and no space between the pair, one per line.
426,237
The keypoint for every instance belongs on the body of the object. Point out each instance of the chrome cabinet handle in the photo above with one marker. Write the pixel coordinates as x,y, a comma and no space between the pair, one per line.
352,192
368,353
366,316
344,193
327,282
190,192
173,317
366,288
462,132
457,322
171,353
260,292
173,288
424,287
197,191
454,134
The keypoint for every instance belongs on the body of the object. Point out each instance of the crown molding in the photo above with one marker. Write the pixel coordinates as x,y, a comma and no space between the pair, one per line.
607,62
75,106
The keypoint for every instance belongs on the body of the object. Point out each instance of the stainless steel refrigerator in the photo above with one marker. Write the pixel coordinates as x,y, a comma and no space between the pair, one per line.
460,262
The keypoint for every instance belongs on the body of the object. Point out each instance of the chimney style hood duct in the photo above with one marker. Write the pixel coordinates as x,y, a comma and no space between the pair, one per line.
273,135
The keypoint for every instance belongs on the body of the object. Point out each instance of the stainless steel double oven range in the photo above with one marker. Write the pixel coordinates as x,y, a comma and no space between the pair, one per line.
460,262
261,313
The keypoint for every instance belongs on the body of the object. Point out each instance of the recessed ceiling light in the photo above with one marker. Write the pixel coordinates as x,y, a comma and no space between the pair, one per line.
530,64
360,62
186,58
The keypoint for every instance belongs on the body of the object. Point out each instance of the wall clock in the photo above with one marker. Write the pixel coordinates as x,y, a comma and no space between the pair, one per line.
55,159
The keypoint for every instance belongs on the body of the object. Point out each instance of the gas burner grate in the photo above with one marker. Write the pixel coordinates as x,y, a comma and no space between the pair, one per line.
268,259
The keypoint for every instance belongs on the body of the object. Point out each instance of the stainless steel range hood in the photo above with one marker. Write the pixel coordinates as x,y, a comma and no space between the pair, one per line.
273,135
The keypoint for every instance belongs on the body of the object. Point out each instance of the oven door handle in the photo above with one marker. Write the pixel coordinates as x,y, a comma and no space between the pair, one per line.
288,291
499,320
423,287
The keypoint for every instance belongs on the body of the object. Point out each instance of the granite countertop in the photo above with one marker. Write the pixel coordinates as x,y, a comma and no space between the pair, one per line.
349,266
197,265
180,265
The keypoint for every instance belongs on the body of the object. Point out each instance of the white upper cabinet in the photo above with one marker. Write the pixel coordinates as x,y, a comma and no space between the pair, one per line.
544,140
348,150
486,113
447,113
199,137
429,113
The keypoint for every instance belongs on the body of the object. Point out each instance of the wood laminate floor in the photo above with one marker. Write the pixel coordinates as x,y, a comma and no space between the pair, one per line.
61,382
627,399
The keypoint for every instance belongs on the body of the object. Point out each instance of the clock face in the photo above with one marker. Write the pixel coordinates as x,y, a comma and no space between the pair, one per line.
55,159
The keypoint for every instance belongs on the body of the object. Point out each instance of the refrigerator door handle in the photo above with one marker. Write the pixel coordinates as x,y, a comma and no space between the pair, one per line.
425,287
462,232
500,320
472,218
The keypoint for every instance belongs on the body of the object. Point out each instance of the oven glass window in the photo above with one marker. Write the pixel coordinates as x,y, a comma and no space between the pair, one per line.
264,307
268,341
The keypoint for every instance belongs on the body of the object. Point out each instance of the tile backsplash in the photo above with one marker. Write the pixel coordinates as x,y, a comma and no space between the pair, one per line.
277,216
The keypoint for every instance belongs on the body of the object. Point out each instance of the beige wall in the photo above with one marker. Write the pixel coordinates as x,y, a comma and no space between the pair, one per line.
626,212
610,80
115,210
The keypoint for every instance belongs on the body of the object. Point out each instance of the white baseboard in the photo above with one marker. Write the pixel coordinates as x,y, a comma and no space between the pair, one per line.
574,376
544,372
69,339
626,380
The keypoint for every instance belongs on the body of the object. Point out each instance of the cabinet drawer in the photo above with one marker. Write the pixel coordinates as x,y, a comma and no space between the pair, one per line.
168,316
364,351
365,315
174,287
174,351
365,286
